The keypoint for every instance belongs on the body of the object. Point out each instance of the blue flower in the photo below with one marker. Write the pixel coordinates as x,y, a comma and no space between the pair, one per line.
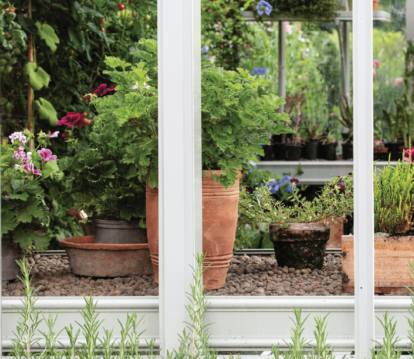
287,179
206,48
267,7
273,187
207,56
254,164
259,70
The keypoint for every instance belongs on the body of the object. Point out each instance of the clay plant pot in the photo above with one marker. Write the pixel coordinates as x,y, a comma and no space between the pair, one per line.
300,246
10,252
328,151
118,232
279,151
91,259
220,211
310,150
347,151
293,152
375,5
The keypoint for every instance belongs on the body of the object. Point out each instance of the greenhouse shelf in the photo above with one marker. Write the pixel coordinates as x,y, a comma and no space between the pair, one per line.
341,16
314,172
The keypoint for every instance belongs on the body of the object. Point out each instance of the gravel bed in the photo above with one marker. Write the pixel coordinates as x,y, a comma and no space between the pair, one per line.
247,276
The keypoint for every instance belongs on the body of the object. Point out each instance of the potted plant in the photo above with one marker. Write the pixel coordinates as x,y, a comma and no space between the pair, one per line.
347,121
327,148
24,215
380,151
310,148
104,187
393,212
301,230
233,123
294,105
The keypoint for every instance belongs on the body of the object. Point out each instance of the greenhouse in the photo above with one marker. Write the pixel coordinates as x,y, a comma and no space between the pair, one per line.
203,179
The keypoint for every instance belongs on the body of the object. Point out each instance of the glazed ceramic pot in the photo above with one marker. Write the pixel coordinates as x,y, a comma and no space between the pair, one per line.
118,232
220,212
301,245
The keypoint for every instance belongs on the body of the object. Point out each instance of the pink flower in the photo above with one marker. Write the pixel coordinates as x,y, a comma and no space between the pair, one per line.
65,134
72,119
27,158
19,154
408,156
18,136
54,134
398,82
46,155
376,64
21,148
300,284
29,167
7,196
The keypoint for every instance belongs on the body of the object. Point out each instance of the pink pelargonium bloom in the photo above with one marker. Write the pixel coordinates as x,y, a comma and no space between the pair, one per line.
21,148
65,134
408,155
29,167
7,196
47,155
72,119
18,136
27,158
376,64
102,91
19,154
54,134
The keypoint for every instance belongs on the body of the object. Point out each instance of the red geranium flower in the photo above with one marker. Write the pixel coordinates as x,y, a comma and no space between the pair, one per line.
121,7
72,119
101,91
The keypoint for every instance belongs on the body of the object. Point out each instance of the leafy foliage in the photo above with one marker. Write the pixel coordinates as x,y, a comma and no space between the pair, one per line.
394,198
24,215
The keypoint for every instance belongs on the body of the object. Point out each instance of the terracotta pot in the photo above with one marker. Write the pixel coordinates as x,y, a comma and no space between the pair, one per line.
300,246
336,232
375,5
106,260
382,149
220,212
10,252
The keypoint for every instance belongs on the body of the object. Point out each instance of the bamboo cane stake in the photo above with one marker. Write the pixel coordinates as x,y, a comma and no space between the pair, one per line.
30,124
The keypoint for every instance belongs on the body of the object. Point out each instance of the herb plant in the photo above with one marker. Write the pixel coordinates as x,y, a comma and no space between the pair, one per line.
347,114
394,198
24,214
234,117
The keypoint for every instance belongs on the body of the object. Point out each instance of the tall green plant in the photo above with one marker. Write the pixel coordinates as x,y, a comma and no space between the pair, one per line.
394,198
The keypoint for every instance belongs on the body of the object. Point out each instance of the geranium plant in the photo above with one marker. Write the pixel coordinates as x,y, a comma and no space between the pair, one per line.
24,215
234,117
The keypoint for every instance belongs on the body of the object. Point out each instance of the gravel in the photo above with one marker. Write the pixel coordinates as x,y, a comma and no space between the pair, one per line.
247,276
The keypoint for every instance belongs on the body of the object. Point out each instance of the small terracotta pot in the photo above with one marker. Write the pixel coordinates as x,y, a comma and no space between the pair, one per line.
375,5
92,259
220,212
300,246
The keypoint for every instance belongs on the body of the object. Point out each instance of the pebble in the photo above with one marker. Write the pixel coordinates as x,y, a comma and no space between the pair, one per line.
247,275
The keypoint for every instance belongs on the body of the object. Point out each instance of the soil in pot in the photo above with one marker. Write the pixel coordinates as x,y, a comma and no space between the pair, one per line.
268,153
347,151
10,252
300,246
119,232
279,151
293,152
328,151
310,150
220,211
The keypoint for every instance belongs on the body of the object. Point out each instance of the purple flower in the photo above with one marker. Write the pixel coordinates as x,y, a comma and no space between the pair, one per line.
27,158
206,48
46,155
18,136
267,8
29,167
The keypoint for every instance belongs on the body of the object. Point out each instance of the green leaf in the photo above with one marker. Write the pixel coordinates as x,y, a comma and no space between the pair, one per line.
46,111
19,36
47,33
26,237
38,77
23,196
8,221
50,168
31,208
84,9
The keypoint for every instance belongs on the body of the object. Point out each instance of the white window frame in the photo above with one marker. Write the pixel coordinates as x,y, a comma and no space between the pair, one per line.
241,322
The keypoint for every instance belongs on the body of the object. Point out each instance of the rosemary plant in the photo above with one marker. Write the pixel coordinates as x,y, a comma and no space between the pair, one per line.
394,200
388,349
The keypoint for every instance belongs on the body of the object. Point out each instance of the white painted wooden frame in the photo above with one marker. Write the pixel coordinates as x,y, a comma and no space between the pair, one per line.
241,322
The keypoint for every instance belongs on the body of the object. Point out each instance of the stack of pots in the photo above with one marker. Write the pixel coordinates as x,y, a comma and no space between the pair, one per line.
220,213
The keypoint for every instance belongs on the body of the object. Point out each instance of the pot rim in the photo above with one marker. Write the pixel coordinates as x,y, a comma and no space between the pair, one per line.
84,242
121,224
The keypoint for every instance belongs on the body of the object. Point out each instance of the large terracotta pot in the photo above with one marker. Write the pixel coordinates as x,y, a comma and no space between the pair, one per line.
220,211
